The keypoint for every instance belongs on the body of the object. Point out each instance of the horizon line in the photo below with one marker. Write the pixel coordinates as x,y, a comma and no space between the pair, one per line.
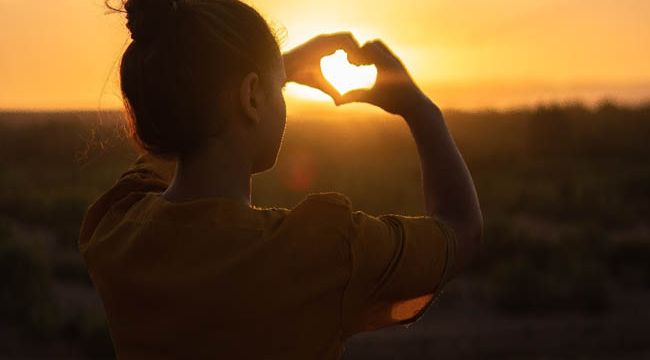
320,107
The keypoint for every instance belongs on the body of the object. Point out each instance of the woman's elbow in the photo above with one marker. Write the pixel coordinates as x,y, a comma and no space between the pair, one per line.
469,241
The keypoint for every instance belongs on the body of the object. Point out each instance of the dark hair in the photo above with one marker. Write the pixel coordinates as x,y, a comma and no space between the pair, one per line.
184,56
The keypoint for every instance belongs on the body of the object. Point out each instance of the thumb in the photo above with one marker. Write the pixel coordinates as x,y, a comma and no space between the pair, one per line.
326,87
359,95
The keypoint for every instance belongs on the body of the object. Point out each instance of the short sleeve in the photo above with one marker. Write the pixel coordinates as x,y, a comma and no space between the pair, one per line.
399,265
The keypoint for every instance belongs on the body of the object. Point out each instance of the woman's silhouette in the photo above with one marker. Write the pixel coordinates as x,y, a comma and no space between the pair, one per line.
187,268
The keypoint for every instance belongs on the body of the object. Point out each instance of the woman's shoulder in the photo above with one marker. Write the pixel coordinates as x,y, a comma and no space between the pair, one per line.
319,212
334,198
311,201
329,204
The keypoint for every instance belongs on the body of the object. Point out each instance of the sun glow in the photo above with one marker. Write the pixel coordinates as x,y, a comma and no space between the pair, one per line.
301,92
345,76
469,54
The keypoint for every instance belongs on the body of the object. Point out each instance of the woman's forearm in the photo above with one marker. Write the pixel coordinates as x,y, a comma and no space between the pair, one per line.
447,183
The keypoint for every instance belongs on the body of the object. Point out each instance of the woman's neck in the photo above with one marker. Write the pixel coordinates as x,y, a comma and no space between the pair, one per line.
216,170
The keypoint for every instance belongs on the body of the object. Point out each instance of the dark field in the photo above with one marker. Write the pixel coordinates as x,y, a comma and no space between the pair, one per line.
565,273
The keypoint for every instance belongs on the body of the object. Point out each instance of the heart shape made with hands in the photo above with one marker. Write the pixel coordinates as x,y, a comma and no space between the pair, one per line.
345,76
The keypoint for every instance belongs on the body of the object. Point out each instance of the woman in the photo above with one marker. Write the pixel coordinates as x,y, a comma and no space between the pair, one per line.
187,268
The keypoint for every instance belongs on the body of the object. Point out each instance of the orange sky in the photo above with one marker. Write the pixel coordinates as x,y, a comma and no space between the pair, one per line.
465,54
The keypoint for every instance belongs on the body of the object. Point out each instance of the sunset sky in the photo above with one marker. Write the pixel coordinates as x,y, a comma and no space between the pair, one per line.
466,54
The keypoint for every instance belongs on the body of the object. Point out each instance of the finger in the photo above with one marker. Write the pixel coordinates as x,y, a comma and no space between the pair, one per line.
329,89
360,95
382,46
364,56
389,55
369,53
330,43
383,54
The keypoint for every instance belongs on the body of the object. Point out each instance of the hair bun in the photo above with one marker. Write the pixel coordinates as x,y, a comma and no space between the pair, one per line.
146,19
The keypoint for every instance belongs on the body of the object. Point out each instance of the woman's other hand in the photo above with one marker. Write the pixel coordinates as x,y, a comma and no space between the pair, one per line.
394,90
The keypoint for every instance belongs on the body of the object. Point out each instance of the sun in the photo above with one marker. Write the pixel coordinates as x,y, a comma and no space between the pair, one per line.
345,76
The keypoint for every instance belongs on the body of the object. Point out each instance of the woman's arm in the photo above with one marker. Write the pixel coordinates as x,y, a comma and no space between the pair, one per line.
448,187
449,192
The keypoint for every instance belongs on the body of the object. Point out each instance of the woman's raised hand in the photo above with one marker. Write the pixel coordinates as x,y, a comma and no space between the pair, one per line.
302,64
394,90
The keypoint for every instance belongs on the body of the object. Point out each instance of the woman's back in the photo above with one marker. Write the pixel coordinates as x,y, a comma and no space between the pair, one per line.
217,278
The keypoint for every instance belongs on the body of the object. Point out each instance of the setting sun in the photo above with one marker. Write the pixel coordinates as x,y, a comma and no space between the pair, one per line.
345,76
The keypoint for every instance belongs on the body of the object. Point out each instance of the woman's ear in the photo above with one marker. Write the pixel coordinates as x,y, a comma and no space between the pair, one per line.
250,94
